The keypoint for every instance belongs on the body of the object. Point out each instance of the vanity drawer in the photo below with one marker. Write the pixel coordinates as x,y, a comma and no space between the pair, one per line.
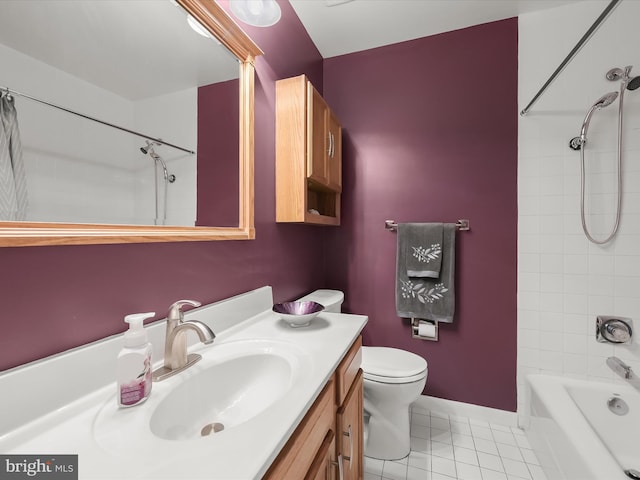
297,456
347,370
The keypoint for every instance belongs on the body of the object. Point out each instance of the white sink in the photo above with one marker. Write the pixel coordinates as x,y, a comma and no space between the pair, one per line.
223,395
259,375
236,384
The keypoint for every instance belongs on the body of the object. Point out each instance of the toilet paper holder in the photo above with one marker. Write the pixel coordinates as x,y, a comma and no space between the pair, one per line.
415,327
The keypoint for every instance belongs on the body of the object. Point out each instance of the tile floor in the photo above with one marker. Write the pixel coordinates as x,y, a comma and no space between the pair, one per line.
446,447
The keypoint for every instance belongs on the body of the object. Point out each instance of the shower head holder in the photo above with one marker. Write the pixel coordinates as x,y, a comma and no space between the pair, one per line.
619,73
576,143
624,74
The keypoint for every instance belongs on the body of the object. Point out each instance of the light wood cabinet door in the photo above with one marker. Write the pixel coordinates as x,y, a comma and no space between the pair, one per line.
334,152
318,137
301,451
350,431
324,161
324,465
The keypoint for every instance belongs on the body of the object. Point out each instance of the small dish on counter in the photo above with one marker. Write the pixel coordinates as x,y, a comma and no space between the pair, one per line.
298,314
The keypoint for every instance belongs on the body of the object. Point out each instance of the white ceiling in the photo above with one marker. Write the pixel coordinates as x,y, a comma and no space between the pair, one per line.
338,27
154,52
134,48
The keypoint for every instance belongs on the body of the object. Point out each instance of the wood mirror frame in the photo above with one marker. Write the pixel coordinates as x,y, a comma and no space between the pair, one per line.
218,22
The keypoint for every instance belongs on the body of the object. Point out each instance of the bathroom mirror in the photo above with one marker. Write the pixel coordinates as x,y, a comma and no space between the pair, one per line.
238,200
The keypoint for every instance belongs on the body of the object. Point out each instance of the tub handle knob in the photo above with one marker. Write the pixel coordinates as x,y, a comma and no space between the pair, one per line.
613,330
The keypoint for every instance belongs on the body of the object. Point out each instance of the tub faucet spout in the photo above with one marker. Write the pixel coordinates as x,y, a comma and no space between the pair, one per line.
619,367
624,371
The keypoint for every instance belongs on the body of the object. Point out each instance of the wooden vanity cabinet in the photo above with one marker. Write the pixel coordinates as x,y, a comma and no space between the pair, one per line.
324,464
329,440
304,447
350,425
349,415
308,155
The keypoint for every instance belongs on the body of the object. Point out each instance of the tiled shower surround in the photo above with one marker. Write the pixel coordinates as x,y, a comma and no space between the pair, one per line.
564,281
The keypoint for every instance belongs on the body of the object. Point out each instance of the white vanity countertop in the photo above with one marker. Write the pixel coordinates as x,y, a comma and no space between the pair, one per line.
114,443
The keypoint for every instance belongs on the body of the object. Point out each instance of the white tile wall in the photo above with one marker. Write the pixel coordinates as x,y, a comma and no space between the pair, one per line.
564,281
76,167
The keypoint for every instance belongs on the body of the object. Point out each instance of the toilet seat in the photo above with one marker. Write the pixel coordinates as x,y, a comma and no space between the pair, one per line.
392,365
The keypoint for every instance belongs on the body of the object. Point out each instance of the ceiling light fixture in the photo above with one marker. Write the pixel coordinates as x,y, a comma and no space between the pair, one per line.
197,27
258,13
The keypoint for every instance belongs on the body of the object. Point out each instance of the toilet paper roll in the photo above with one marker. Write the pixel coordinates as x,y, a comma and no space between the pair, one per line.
426,329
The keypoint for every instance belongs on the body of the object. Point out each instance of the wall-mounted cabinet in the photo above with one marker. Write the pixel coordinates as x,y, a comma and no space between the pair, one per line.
308,155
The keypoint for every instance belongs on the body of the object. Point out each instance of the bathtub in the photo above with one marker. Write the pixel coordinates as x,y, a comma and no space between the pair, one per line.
574,433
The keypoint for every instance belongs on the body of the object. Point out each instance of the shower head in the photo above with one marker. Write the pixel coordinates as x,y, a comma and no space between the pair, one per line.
634,83
577,143
605,100
148,148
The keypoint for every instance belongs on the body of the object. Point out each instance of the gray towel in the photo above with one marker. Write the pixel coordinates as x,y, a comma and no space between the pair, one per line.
423,248
427,298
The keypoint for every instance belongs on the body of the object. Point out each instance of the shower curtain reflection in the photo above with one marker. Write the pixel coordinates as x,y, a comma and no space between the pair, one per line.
13,181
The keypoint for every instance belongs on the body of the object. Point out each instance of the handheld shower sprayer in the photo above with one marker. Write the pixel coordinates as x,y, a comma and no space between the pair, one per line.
148,150
576,143
167,177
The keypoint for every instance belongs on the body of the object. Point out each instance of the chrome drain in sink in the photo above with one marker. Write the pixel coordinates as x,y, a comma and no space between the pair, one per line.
210,428
617,405
632,473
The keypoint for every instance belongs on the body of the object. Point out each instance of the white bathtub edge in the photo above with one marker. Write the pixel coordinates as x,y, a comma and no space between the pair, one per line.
596,462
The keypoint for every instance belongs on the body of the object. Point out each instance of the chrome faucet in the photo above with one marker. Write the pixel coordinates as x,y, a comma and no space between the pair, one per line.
175,345
624,370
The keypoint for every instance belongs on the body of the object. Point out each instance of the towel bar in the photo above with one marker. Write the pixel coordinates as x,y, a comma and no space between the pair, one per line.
462,225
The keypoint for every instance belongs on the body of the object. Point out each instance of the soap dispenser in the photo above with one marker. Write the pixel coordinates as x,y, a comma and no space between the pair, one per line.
134,363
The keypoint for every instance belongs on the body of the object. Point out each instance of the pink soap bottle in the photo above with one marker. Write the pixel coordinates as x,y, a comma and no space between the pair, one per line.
134,363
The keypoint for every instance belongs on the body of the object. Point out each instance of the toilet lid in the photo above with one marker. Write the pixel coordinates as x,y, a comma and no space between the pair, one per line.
392,365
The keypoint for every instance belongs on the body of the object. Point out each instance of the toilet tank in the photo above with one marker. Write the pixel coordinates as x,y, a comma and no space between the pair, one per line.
331,300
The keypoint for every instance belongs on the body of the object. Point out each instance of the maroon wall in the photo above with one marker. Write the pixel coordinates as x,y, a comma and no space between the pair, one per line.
56,298
218,151
430,135
430,131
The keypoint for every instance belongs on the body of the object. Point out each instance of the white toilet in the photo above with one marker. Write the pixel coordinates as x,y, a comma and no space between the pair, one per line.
331,300
393,380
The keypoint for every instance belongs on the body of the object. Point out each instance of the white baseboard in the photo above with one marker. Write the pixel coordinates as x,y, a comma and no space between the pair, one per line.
468,410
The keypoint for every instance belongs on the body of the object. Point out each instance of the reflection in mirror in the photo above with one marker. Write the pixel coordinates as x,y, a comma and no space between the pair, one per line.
156,77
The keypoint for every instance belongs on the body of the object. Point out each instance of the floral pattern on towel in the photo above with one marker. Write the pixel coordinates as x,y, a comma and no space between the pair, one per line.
427,254
419,290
